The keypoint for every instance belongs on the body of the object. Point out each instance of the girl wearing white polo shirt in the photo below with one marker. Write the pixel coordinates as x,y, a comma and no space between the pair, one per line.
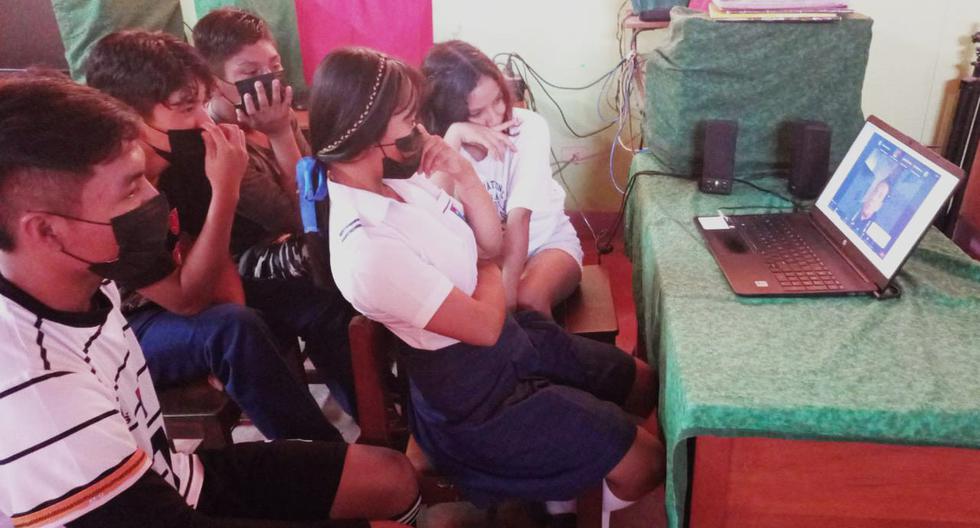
509,406
467,102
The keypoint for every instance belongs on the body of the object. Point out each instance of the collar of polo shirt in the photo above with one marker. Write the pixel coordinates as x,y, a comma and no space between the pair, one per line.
370,207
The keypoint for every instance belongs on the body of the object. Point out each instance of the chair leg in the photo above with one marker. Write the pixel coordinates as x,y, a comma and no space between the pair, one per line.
589,508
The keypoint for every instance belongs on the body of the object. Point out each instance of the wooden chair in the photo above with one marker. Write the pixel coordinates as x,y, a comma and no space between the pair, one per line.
966,231
382,393
382,389
199,410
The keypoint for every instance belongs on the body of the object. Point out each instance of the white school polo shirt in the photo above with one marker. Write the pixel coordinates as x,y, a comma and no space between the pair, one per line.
523,179
397,262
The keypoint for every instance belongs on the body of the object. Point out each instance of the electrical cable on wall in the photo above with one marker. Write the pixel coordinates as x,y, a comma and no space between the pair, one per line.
620,101
515,58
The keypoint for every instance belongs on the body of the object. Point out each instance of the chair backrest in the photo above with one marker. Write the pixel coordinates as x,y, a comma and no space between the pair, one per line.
382,396
381,392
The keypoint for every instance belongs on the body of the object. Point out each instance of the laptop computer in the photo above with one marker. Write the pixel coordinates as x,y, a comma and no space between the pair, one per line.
874,210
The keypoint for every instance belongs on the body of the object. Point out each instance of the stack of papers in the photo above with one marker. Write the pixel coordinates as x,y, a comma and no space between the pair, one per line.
777,10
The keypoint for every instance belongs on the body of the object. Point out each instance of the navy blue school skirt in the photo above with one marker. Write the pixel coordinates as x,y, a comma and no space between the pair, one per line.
537,416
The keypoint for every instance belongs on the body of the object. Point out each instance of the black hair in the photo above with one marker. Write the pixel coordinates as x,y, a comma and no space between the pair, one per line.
53,131
225,31
143,68
341,93
452,70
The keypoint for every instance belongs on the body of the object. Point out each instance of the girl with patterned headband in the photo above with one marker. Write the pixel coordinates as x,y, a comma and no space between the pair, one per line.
493,395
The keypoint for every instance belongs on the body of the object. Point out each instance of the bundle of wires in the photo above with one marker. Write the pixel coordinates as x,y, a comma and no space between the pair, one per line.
615,94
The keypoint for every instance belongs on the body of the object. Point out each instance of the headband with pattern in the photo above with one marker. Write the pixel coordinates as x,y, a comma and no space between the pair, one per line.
382,66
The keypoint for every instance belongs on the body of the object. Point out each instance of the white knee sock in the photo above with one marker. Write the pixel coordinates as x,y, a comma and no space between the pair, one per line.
610,502
560,507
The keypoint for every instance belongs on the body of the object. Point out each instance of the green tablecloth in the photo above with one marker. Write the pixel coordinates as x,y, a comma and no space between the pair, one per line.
847,368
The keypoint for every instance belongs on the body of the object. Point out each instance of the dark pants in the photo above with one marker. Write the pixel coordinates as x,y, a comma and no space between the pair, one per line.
235,344
295,307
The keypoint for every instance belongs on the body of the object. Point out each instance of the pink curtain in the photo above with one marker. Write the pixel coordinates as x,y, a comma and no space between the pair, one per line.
401,28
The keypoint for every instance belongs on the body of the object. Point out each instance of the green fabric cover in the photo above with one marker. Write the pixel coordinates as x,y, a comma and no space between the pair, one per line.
759,74
903,371
281,17
83,22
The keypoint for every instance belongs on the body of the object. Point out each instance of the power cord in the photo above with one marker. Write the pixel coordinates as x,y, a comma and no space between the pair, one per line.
606,246
517,62
767,191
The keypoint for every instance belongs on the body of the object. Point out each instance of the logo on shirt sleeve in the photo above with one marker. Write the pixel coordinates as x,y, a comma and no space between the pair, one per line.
458,212
350,228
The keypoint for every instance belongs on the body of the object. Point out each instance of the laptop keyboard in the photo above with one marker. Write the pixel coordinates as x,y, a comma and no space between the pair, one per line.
795,265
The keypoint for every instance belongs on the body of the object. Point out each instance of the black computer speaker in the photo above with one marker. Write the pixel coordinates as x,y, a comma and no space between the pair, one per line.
719,156
809,158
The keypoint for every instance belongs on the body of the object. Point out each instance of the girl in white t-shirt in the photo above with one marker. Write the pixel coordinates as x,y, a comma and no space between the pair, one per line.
467,102
492,394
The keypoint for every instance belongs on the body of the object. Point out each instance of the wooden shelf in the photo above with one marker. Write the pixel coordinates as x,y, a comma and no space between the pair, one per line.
634,22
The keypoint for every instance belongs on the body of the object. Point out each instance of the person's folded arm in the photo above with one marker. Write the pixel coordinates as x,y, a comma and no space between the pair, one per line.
473,319
391,278
459,175
514,254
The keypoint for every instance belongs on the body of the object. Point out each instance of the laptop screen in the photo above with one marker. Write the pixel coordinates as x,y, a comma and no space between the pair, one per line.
883,196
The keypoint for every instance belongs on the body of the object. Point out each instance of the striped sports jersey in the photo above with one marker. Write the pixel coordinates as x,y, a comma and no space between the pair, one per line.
80,418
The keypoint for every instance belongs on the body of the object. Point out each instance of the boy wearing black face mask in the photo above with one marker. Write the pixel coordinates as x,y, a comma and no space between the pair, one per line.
285,273
84,444
199,327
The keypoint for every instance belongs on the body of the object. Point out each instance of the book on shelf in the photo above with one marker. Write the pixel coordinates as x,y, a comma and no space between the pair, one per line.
790,14
780,5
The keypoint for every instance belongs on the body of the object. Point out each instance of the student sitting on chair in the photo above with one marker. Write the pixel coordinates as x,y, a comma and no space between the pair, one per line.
83,442
492,395
280,266
197,325
467,101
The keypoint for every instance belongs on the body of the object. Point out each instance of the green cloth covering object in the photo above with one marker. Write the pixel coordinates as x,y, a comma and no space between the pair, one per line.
901,371
281,17
83,22
759,74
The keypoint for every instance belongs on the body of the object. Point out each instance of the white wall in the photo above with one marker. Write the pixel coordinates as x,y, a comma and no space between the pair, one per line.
918,53
570,42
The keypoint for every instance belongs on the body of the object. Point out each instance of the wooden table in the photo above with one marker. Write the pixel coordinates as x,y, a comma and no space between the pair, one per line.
835,411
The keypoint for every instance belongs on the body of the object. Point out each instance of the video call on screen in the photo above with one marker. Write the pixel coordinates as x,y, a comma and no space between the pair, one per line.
881,194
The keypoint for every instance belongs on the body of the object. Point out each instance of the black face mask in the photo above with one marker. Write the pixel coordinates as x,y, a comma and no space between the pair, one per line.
185,182
410,147
144,253
186,146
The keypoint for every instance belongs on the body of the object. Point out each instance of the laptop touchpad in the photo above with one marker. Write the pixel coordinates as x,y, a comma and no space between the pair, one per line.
733,241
